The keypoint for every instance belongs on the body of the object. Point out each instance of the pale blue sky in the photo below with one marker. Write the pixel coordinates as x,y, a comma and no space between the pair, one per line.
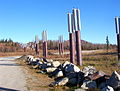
21,20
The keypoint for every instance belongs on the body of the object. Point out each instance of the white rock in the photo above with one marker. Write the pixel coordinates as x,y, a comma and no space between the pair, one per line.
65,63
49,60
108,88
114,80
79,89
50,69
55,63
62,81
59,74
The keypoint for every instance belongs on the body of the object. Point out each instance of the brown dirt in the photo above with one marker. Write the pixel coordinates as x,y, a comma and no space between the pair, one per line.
38,81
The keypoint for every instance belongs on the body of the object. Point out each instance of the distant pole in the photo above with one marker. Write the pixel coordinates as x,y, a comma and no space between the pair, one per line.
77,27
36,45
117,24
61,45
71,37
107,44
44,38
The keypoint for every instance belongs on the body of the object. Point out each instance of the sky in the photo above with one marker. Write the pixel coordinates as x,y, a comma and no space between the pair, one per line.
21,20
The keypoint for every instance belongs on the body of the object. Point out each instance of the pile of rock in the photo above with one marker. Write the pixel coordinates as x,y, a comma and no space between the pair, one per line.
69,74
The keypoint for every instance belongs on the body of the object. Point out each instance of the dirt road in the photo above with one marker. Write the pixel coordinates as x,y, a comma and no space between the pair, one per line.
12,77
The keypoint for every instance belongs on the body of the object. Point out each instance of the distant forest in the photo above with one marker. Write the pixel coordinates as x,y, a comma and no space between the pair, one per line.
7,45
84,45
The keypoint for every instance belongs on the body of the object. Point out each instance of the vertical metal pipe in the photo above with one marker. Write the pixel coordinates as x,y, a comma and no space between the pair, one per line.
72,48
78,48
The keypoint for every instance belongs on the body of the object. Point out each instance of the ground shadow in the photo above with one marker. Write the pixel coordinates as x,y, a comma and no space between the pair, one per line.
7,89
9,65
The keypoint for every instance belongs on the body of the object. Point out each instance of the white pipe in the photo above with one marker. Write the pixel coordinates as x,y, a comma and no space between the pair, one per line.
78,20
117,25
75,19
69,23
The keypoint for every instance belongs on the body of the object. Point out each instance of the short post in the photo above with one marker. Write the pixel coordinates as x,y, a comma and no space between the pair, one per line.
72,47
36,45
61,46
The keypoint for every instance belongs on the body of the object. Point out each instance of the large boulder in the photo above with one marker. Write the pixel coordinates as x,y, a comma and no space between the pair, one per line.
107,88
114,80
69,68
88,84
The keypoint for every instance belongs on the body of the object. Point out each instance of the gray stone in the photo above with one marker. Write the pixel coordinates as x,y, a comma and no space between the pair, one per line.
114,80
88,84
107,88
102,85
72,75
96,75
89,70
73,81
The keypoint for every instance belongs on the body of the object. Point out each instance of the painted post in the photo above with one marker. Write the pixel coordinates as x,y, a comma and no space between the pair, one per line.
36,45
71,37
77,26
117,24
61,45
44,38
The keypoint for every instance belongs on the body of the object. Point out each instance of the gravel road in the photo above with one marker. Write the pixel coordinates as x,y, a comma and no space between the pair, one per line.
12,78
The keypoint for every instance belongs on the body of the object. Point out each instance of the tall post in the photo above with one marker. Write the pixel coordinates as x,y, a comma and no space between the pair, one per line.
77,27
117,24
78,48
71,37
44,38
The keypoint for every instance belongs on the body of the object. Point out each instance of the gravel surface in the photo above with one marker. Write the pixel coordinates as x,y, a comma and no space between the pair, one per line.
12,77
